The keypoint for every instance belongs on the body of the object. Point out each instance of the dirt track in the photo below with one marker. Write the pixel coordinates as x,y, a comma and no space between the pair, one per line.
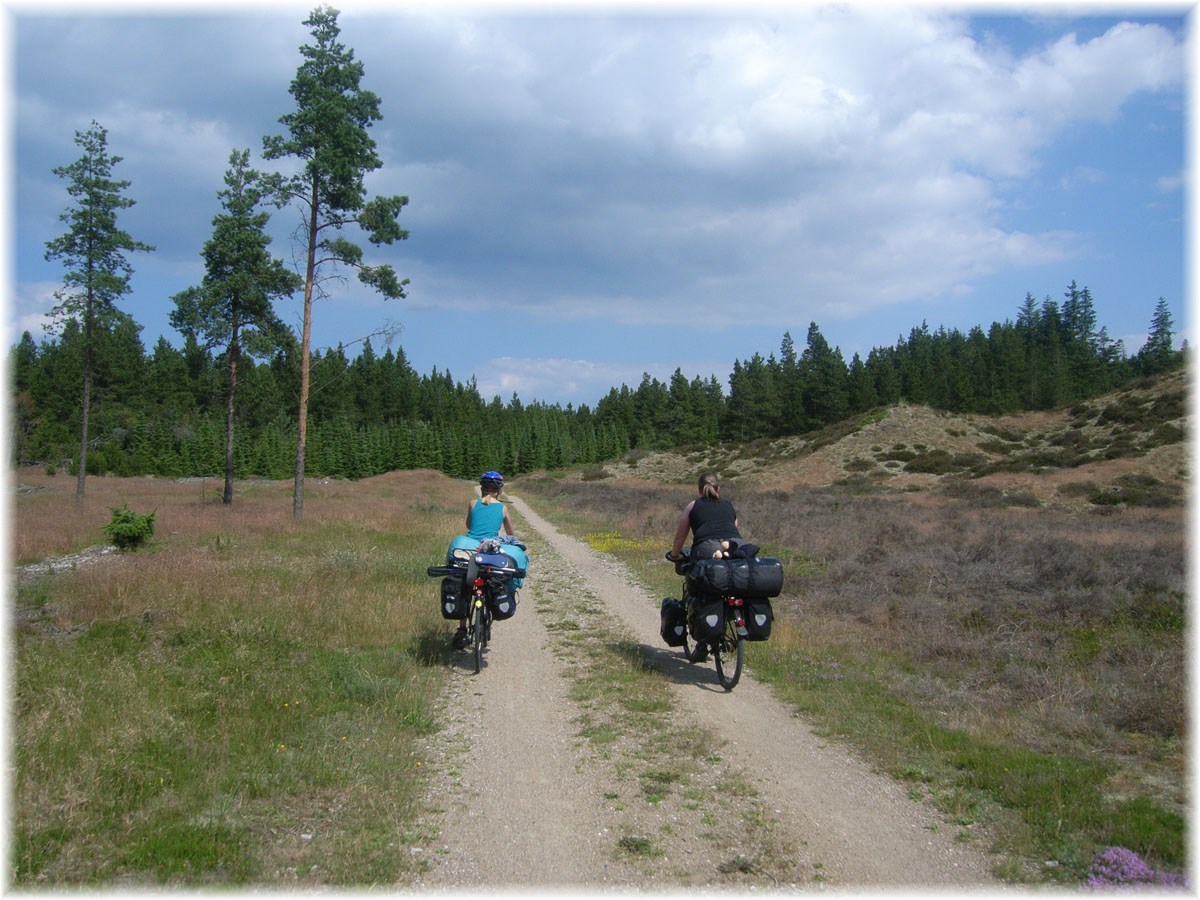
526,804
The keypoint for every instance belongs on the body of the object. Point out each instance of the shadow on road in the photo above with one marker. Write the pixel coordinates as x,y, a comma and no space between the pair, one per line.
671,662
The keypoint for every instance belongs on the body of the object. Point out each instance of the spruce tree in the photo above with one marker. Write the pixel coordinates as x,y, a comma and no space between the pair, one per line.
1158,355
327,132
826,380
94,251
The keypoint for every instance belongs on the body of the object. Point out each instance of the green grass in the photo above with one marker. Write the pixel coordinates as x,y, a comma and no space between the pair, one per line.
182,742
632,846
239,708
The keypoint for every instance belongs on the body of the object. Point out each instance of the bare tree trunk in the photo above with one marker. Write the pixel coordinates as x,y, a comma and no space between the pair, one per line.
305,342
302,423
227,497
83,440
88,334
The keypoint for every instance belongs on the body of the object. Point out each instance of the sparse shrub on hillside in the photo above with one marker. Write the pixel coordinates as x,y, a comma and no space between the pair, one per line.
941,462
594,473
978,495
863,482
1137,490
1137,411
998,447
986,496
1072,437
1125,411
1167,433
1009,436
1078,489
1170,406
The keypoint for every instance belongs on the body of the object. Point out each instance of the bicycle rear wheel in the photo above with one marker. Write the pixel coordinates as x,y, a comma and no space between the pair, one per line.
727,653
480,634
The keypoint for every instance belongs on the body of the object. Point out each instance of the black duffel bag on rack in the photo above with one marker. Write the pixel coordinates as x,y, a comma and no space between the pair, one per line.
758,577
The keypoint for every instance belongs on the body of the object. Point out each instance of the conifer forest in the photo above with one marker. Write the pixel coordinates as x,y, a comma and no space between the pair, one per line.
162,412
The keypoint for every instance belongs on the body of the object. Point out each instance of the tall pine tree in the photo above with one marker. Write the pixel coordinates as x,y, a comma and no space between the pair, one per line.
327,132
94,251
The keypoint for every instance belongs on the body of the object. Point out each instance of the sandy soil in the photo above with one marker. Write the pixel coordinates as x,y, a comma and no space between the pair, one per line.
524,805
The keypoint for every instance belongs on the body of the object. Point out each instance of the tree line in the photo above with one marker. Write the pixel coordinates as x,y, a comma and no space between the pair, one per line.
1053,354
163,412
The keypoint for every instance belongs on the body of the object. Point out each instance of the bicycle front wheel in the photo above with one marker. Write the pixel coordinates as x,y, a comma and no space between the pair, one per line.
480,634
727,653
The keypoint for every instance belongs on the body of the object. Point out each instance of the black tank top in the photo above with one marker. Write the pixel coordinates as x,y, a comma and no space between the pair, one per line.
713,520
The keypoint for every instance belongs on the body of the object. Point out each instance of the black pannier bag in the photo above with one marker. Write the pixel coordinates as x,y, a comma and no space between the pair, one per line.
759,577
456,603
758,615
502,599
673,621
706,621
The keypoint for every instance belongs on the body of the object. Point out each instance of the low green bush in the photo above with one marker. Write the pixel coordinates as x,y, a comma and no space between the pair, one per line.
128,529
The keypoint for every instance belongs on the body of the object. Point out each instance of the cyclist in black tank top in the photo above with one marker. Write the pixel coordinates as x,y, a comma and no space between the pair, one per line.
710,519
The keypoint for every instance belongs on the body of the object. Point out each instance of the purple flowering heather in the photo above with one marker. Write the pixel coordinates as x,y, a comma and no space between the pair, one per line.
1119,867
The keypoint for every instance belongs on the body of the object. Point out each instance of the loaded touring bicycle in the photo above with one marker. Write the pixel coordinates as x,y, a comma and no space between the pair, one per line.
479,584
725,602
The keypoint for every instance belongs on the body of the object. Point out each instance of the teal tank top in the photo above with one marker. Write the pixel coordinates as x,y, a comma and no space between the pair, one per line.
486,520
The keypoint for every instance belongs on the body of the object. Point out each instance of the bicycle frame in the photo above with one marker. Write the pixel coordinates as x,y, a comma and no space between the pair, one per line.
479,626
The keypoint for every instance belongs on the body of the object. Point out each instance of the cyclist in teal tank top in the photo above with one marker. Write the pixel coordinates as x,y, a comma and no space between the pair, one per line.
485,517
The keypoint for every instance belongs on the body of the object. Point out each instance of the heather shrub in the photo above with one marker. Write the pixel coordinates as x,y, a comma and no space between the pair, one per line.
1117,867
1054,633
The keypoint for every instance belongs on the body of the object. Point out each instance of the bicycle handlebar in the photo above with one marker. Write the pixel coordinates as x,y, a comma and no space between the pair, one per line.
682,561
443,571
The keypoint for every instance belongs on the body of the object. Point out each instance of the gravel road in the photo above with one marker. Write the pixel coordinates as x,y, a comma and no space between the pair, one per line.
524,801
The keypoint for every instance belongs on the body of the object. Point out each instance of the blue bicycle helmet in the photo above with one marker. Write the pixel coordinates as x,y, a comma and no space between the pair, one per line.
491,480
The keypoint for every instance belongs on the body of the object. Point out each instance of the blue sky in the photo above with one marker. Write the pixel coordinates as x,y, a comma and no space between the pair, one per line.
597,192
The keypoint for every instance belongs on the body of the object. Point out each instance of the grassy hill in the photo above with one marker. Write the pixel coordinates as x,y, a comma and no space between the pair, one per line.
1127,446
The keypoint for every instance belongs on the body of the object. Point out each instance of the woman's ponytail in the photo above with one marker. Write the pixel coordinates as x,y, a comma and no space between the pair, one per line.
708,487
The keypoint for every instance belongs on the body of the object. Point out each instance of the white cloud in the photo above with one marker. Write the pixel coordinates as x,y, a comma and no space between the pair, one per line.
1092,79
1170,184
31,310
865,155
533,378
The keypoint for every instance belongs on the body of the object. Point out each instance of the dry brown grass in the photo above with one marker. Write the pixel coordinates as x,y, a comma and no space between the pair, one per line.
1008,603
201,547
